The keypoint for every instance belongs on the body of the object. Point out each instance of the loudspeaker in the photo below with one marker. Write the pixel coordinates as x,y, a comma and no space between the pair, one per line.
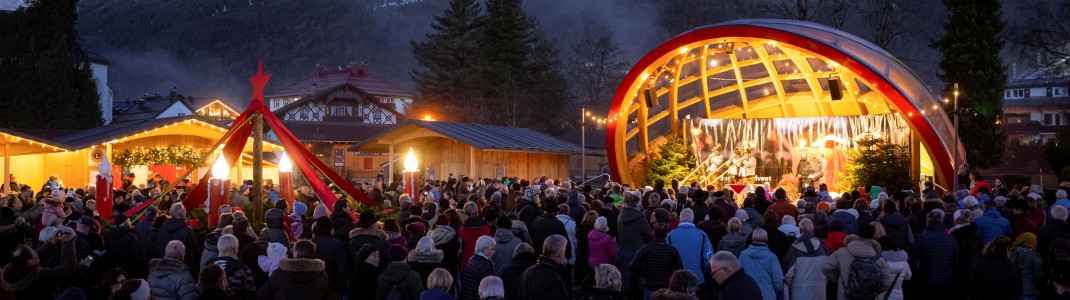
834,88
650,97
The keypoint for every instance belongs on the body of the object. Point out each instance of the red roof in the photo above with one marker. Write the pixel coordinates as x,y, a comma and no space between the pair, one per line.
355,74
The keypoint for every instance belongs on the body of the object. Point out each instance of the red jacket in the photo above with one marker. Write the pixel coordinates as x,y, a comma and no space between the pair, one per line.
973,192
783,208
471,230
835,241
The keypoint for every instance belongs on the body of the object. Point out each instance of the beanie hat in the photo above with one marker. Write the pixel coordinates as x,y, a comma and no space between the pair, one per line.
530,194
320,211
276,251
142,291
443,220
398,253
416,228
300,208
824,206
959,194
1025,239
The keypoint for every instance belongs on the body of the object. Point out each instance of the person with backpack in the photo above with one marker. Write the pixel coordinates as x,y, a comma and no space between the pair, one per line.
398,281
858,269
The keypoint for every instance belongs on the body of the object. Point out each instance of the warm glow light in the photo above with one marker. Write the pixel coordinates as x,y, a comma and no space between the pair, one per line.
220,170
428,118
410,163
683,50
285,165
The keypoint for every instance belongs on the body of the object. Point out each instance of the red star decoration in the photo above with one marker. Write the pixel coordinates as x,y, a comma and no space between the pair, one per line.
259,82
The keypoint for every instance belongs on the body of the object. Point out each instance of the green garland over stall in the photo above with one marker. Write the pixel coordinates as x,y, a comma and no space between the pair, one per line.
158,156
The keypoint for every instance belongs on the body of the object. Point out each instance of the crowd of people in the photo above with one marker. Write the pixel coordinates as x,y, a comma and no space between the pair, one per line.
543,238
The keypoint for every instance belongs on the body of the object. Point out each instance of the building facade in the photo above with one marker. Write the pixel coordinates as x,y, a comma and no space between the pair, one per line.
1036,109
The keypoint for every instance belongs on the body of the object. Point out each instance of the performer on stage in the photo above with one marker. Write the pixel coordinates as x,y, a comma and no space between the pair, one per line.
817,170
748,166
733,166
802,171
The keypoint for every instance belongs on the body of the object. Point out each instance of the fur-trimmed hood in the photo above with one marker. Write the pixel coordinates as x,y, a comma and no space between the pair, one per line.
430,257
302,270
861,247
443,235
367,232
17,279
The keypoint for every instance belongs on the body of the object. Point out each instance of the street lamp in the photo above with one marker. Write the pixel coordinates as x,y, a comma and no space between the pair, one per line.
583,143
955,164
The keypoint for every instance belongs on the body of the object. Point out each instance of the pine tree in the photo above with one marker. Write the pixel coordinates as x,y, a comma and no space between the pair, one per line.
673,160
447,60
45,78
520,74
970,46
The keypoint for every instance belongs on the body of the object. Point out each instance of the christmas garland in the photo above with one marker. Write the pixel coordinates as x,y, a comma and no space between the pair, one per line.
157,156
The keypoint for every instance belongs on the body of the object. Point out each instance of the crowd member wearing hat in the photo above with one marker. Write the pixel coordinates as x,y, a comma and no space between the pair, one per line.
301,277
275,232
367,232
1029,263
363,280
333,253
398,278
123,250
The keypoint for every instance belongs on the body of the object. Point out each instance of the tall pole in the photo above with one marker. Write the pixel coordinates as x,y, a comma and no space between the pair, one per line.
258,167
583,144
956,162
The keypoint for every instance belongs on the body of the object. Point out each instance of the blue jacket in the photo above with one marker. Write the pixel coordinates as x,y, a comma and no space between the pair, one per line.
764,267
934,255
850,224
435,294
992,225
694,248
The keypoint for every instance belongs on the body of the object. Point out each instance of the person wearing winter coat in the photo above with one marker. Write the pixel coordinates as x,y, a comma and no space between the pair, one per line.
424,258
570,228
995,276
523,258
342,222
762,266
176,229
788,227
734,241
479,266
845,214
992,223
837,266
633,233
692,244
367,232
603,249
506,243
934,257
735,283
656,261
546,279
25,278
439,283
968,243
301,277
782,207
896,226
275,232
240,280
364,279
835,237
473,227
1030,264
803,277
607,284
123,250
333,253
446,239
898,264
727,208
169,278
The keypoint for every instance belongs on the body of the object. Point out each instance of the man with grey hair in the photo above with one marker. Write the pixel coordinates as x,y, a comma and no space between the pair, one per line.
479,267
694,248
169,278
240,281
1055,228
736,284
802,264
523,258
544,279
176,229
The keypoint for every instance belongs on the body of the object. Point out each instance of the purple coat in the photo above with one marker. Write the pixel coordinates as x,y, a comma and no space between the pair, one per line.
603,249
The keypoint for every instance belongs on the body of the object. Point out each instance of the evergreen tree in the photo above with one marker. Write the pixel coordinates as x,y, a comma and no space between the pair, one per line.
45,78
876,162
673,160
447,60
970,46
519,73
